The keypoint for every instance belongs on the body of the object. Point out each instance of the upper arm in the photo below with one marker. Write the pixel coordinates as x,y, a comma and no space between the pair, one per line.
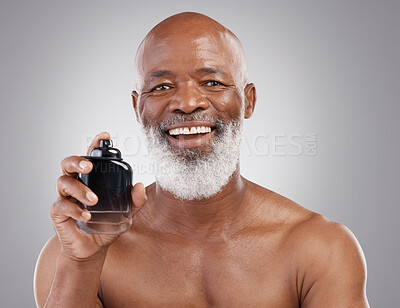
45,271
336,270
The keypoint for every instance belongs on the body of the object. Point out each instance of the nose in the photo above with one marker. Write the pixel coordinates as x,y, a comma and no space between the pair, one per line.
187,98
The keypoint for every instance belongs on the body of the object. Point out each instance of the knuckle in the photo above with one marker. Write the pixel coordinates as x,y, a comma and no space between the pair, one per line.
76,160
64,185
71,162
58,184
65,161
61,182
63,208
54,209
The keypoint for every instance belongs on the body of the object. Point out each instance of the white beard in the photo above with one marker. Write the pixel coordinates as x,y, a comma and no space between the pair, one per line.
190,174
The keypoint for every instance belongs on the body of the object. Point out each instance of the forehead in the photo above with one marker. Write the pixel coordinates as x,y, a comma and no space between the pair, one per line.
188,52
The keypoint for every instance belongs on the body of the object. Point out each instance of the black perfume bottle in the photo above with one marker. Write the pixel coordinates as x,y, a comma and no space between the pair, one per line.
111,180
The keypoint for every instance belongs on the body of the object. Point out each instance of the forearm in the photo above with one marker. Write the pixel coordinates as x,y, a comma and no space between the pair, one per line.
75,283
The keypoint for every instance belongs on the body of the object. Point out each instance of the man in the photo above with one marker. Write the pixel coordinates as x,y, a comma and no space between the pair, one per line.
202,235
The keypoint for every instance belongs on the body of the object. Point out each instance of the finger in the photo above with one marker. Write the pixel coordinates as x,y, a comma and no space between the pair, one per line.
139,196
63,209
70,187
73,165
96,141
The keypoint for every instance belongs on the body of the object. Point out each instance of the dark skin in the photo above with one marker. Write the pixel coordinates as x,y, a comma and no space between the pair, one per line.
245,246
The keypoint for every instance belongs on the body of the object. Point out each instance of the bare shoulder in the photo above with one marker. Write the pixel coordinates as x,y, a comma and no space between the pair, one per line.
306,230
323,245
330,264
322,237
45,269
331,267
275,209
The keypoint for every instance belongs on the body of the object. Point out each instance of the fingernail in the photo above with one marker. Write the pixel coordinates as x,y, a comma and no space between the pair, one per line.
84,164
91,196
86,215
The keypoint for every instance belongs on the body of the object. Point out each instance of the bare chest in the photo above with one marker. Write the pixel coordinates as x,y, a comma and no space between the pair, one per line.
246,273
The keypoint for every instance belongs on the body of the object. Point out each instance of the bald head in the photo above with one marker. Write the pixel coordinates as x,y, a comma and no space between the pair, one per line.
192,35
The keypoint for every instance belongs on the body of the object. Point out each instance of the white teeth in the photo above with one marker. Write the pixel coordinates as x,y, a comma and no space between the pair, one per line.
189,130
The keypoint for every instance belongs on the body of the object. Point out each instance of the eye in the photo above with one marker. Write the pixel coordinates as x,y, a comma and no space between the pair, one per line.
213,83
161,87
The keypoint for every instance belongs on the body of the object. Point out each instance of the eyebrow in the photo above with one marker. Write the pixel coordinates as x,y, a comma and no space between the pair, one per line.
203,70
210,70
159,73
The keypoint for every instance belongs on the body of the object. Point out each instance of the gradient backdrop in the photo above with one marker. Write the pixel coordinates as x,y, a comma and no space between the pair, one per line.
324,133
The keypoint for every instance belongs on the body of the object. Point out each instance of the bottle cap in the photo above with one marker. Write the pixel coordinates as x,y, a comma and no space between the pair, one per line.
105,151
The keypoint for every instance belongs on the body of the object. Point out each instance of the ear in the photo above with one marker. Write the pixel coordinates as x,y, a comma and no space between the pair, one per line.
135,98
250,97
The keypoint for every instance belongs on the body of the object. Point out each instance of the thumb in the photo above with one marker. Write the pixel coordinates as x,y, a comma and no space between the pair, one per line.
139,196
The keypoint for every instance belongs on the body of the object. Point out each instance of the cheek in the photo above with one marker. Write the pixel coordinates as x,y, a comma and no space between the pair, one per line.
228,102
151,110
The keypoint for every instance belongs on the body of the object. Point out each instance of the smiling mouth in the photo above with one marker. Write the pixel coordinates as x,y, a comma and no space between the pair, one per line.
190,134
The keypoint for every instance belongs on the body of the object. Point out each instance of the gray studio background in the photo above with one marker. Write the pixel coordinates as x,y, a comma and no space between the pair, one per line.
327,75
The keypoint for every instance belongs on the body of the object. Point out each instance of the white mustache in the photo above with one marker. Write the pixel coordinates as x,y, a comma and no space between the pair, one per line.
190,117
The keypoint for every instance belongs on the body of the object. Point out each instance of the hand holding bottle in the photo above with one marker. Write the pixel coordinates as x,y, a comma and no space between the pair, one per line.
65,211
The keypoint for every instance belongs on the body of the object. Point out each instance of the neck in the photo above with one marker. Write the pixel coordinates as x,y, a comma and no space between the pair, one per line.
213,218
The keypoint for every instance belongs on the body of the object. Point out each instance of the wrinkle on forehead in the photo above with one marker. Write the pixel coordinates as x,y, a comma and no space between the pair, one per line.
197,32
